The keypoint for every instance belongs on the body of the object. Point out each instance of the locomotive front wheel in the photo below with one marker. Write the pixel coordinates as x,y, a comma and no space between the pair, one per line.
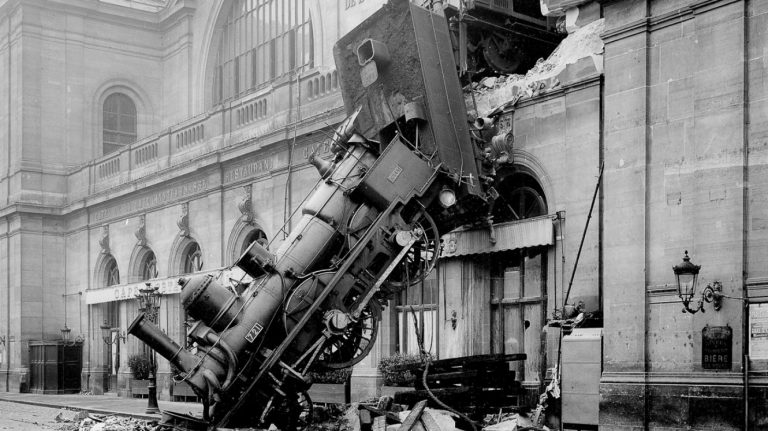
349,341
422,256
350,345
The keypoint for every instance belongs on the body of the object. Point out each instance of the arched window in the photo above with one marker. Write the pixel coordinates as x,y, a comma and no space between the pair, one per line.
520,197
118,122
148,267
192,258
256,235
111,273
261,40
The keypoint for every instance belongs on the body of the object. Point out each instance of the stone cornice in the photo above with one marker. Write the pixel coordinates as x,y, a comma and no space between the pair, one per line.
104,12
590,81
662,20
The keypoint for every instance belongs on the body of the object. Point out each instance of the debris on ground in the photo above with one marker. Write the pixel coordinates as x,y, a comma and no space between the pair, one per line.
70,420
68,416
493,94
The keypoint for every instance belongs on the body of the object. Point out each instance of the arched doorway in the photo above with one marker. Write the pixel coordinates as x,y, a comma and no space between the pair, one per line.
518,279
111,359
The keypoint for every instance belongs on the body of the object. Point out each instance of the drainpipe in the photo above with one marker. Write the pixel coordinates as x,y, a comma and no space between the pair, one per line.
745,217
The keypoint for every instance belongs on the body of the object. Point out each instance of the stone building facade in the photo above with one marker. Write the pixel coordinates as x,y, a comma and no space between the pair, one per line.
142,140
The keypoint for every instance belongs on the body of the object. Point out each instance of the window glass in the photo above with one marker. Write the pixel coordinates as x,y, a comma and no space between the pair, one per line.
148,269
260,41
417,308
112,273
118,122
193,259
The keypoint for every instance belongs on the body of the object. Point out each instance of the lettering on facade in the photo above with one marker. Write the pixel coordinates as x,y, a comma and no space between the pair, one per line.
150,201
321,149
129,291
716,347
248,170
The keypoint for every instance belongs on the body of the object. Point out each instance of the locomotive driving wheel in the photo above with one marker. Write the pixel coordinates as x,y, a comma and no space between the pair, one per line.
346,340
351,343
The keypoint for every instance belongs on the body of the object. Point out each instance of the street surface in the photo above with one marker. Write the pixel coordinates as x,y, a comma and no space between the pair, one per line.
15,416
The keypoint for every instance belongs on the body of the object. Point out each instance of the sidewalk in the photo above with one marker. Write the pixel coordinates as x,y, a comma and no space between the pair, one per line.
103,404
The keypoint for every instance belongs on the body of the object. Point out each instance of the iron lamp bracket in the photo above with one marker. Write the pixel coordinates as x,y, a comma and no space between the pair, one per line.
712,294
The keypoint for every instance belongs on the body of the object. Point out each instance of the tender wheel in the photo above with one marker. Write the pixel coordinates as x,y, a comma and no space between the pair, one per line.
422,256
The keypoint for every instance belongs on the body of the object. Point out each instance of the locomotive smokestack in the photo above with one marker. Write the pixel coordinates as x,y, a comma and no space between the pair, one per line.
150,334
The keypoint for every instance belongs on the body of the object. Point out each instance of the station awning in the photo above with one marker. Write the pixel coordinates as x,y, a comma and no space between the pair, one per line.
533,232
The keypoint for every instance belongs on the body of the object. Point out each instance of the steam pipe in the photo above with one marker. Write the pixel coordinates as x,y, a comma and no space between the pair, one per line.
231,357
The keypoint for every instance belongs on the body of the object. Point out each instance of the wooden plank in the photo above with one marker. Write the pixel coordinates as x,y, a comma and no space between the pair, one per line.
413,416
387,414
465,361
429,422
461,396
472,378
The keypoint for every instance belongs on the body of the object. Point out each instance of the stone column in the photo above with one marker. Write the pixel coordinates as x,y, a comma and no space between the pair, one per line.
625,132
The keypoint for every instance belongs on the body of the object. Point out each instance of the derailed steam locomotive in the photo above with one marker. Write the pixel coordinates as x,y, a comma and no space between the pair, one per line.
401,168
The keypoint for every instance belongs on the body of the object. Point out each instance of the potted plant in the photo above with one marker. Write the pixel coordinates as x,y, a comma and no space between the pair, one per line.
140,367
330,386
397,377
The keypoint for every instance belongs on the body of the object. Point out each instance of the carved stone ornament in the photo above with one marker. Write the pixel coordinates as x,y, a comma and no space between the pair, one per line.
104,240
246,205
183,221
141,231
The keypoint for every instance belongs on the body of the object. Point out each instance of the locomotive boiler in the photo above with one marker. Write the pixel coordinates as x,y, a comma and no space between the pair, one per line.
401,168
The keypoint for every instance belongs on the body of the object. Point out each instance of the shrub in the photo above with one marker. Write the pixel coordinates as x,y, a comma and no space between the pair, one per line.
140,366
392,368
331,376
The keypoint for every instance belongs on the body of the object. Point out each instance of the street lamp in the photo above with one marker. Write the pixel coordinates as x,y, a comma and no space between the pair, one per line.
66,337
687,275
149,304
106,334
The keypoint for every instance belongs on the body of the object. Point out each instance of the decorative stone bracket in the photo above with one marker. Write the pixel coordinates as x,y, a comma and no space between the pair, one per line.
246,205
104,240
141,230
183,221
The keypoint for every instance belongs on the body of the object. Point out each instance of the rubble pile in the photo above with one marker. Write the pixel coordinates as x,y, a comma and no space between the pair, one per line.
72,420
495,93
388,416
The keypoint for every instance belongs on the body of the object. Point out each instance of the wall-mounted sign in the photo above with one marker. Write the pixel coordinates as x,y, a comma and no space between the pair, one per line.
758,331
166,286
716,347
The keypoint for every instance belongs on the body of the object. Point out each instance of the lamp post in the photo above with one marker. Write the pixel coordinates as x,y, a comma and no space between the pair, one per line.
108,338
149,304
687,275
